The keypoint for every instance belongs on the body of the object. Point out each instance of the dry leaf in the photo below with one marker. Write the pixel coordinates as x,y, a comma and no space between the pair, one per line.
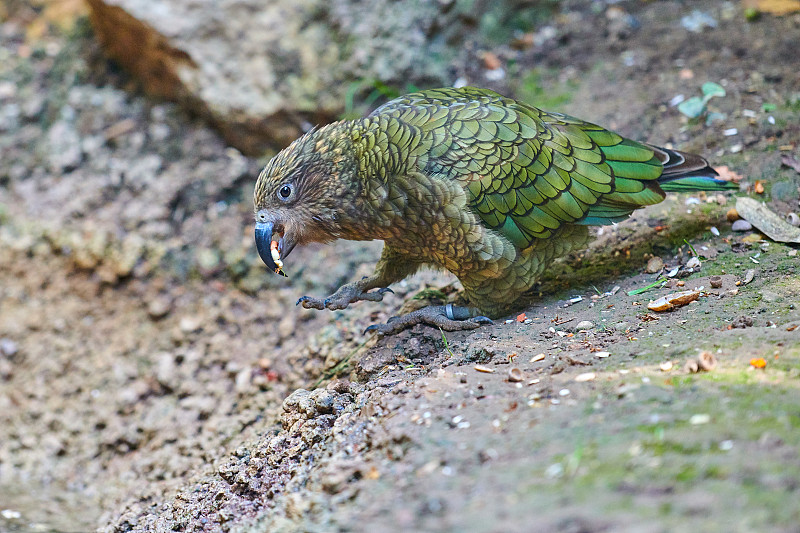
491,61
767,221
671,301
728,175
774,7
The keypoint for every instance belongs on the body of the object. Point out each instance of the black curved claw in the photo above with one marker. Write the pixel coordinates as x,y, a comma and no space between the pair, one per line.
482,320
373,327
385,290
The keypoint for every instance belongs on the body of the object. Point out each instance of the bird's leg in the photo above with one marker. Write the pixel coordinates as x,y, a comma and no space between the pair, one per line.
348,294
448,317
390,268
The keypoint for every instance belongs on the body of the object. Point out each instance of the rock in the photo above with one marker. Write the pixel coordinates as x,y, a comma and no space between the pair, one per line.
732,215
741,225
697,21
63,151
584,325
264,72
655,265
159,307
190,324
784,191
8,347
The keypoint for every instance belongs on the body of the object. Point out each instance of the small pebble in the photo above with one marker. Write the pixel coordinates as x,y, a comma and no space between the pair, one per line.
537,357
666,367
564,392
749,275
699,419
8,347
484,369
602,355
714,231
732,215
654,265
159,307
693,263
587,376
584,325
189,324
741,225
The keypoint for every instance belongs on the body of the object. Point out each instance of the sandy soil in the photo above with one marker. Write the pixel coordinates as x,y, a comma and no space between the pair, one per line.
154,377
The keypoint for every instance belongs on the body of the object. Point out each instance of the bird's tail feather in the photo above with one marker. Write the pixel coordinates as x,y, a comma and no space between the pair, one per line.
685,172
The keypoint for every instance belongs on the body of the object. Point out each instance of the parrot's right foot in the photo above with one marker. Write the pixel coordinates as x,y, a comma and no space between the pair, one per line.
346,295
447,317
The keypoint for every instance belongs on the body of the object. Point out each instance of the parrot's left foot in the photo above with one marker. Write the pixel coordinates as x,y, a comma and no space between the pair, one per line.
346,295
447,317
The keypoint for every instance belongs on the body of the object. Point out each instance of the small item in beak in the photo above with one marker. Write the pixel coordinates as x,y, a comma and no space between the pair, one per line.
276,256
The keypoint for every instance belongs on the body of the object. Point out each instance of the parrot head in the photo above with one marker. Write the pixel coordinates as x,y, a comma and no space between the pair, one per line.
301,194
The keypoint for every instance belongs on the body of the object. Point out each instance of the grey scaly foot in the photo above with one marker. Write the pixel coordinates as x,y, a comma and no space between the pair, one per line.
346,295
448,317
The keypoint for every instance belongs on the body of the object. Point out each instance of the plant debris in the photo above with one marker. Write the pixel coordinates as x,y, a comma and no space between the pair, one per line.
767,221
673,300
773,7
515,375
704,362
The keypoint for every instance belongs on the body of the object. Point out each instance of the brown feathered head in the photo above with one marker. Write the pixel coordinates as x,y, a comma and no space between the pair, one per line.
302,192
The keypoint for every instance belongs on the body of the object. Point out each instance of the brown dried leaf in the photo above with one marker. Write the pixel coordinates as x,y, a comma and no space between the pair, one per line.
728,175
775,7
767,221
673,300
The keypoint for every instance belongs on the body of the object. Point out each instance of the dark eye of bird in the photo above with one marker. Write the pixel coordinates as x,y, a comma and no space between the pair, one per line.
285,191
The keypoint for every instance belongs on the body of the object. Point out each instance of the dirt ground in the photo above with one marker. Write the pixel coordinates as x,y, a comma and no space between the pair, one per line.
154,376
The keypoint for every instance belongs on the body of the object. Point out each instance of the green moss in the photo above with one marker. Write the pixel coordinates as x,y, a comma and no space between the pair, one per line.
536,89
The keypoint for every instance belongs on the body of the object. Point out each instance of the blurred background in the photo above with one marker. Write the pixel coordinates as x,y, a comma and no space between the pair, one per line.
141,338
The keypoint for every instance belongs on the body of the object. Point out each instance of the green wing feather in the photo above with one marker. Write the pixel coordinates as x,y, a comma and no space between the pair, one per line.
526,171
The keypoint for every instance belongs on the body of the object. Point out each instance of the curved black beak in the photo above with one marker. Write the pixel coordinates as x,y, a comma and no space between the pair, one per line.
264,231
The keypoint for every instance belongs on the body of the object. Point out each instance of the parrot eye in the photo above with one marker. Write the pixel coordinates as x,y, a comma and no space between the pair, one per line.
285,192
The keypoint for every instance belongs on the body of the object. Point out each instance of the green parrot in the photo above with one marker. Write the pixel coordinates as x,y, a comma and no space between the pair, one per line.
467,180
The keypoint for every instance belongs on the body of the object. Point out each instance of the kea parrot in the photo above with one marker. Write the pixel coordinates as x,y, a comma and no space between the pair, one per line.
467,180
